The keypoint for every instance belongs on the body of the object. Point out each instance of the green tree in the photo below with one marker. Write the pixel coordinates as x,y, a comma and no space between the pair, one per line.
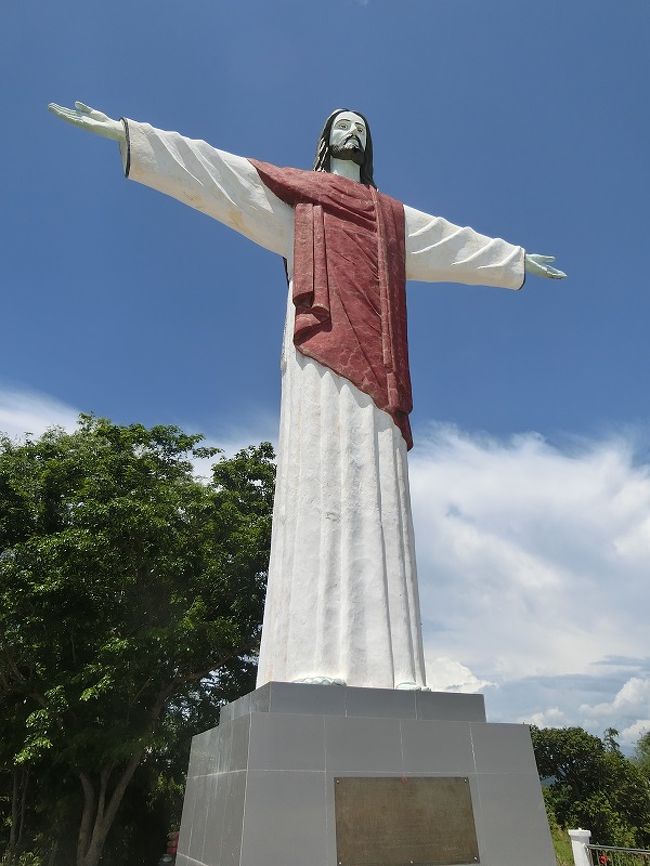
590,783
127,588
642,755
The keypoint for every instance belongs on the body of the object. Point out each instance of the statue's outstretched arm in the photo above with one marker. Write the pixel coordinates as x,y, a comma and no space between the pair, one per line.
219,184
90,119
541,266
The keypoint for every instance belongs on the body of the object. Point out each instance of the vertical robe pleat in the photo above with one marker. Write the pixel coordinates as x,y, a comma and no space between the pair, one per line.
342,601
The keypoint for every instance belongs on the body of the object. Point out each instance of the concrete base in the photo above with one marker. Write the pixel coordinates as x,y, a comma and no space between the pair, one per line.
260,786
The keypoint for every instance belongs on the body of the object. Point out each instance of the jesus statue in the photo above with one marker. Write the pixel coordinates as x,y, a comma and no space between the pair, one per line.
342,599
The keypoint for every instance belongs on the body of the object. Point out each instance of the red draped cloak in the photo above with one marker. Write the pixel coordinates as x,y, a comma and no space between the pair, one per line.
349,280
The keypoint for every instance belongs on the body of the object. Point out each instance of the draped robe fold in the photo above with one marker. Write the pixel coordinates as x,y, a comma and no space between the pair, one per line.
349,283
342,599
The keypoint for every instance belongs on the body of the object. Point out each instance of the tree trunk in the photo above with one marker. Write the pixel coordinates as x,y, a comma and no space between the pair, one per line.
8,857
23,800
91,844
53,852
83,839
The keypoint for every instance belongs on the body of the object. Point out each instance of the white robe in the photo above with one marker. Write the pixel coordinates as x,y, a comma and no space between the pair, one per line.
342,599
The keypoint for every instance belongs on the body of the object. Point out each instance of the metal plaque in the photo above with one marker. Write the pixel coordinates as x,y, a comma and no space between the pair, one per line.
408,821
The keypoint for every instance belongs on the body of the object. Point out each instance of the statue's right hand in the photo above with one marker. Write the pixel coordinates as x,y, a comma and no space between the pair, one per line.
90,119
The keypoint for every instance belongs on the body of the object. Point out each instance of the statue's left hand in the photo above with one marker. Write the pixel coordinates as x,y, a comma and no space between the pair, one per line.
541,266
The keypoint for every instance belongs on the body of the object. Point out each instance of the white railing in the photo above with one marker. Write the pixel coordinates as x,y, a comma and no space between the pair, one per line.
586,854
607,855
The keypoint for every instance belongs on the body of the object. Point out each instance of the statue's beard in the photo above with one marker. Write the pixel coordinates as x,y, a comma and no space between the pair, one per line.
350,149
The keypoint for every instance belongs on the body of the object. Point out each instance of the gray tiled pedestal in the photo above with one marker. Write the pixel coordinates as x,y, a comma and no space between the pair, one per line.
260,786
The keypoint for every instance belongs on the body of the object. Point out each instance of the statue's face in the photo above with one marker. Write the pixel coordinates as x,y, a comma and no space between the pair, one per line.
348,137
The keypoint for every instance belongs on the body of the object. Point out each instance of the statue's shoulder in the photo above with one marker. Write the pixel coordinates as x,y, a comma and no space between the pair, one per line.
280,171
389,200
294,185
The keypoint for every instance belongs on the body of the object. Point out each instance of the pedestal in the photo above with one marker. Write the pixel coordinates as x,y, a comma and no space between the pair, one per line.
422,779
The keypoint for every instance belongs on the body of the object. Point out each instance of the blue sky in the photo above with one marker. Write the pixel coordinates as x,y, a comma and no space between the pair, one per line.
526,121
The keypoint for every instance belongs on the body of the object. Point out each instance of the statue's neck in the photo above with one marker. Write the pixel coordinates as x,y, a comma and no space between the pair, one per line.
345,168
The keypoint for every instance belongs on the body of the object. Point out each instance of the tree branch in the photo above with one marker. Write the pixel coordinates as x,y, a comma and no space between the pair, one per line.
99,828
103,784
83,839
199,675
120,788
23,799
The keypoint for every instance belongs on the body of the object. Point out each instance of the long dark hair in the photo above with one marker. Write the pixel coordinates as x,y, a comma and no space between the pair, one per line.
322,161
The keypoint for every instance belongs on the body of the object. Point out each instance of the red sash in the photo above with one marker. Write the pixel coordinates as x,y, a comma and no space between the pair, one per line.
349,283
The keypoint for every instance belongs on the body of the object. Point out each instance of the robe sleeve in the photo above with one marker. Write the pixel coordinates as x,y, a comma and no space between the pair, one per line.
222,185
439,251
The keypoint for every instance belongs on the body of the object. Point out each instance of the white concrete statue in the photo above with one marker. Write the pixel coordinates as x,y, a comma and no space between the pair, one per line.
342,600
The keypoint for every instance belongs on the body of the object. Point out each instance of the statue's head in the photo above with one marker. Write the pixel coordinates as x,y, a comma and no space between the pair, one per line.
346,135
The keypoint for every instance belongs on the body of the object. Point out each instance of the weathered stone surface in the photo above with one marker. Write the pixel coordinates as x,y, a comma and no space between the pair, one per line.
261,787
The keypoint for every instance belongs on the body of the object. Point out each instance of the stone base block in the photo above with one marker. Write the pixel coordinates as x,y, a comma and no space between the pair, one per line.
261,786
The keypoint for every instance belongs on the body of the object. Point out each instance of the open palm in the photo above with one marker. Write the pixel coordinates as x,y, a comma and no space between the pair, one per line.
541,266
90,119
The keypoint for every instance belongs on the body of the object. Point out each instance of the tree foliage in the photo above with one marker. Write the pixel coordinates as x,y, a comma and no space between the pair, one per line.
590,783
642,755
127,587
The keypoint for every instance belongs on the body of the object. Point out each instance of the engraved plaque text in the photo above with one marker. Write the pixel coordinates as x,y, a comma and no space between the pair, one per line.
410,821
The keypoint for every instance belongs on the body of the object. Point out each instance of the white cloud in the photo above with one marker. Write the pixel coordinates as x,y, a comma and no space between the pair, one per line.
533,560
447,675
632,698
632,734
25,411
554,717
